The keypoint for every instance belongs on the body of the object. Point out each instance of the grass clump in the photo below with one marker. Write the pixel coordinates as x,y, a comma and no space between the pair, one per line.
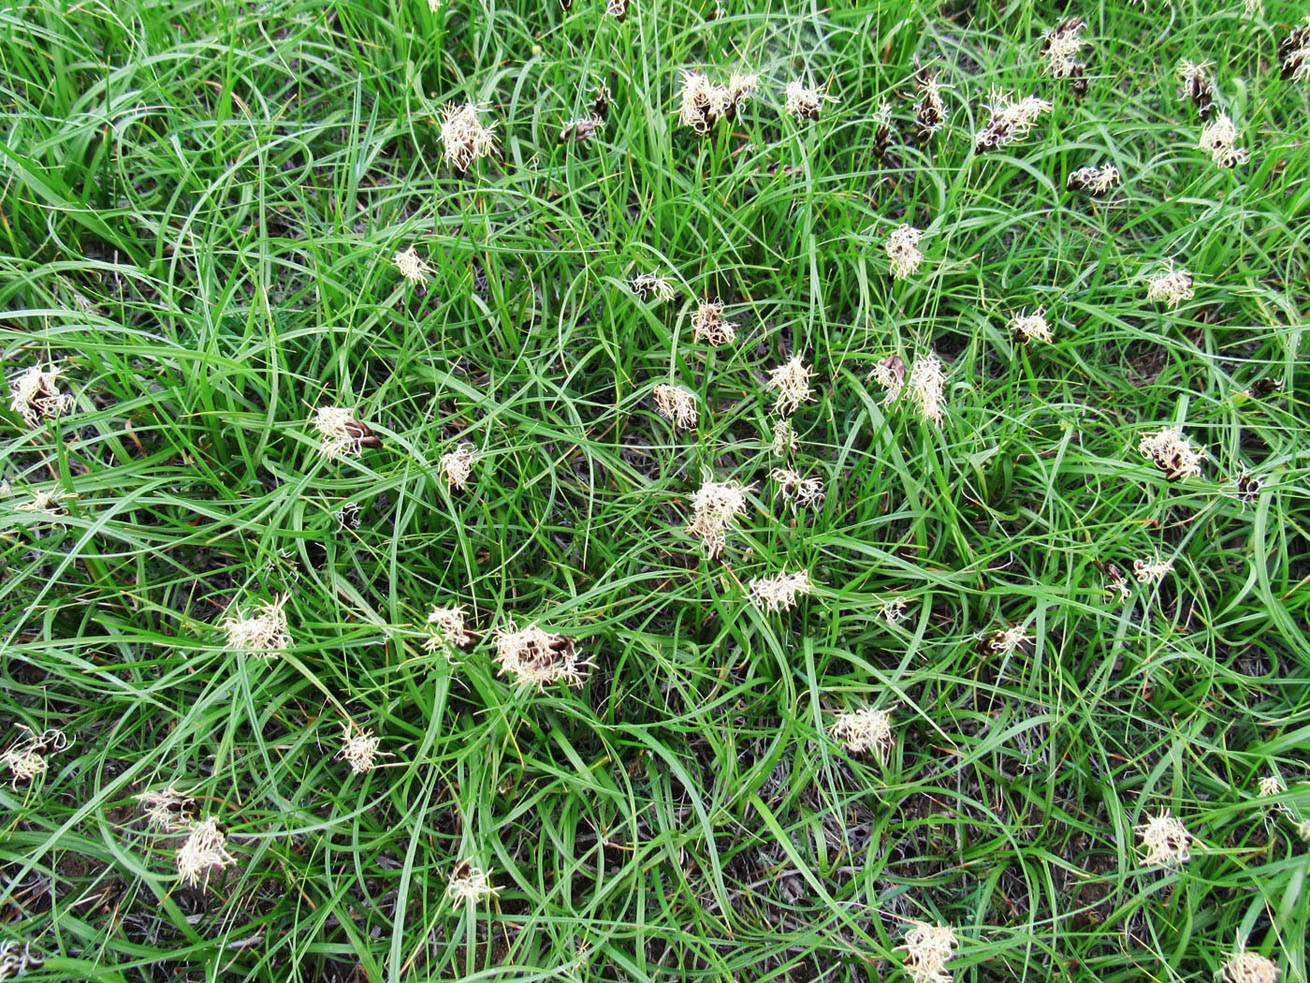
654,492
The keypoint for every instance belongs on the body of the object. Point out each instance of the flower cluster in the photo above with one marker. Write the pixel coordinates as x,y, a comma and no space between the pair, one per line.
204,850
1151,571
341,434
779,593
1172,453
928,948
677,405
1220,137
929,110
469,883
35,396
359,748
715,507
1032,327
457,465
264,634
890,374
1059,51
1294,53
804,102
537,658
26,759
927,386
1196,85
412,267
703,103
447,628
800,491
648,284
903,251
864,730
464,136
1171,285
169,810
709,326
1095,180
1166,841
783,438
792,382
1009,120
1249,967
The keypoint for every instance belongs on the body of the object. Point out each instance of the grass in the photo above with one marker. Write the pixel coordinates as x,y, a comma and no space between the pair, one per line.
200,207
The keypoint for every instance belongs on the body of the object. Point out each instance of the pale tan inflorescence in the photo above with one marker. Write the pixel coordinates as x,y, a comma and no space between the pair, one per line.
779,593
1219,138
26,759
50,503
1249,967
1060,49
359,748
927,385
457,465
928,948
1096,179
464,137
864,730
1166,841
791,381
677,405
340,434
1171,285
1172,453
263,634
168,810
783,439
447,628
534,657
890,374
1009,120
470,883
709,325
715,507
799,490
1151,570
703,103
903,251
204,850
1032,327
412,267
35,395
804,102
653,284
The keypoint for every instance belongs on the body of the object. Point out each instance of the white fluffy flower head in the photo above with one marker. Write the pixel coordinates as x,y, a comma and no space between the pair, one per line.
457,465
1249,967
903,251
1171,285
359,748
928,948
34,395
537,658
791,380
263,634
779,593
412,267
708,324
470,883
1220,137
464,136
1172,453
1032,327
716,506
1166,840
804,102
866,729
204,850
927,385
447,628
677,405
